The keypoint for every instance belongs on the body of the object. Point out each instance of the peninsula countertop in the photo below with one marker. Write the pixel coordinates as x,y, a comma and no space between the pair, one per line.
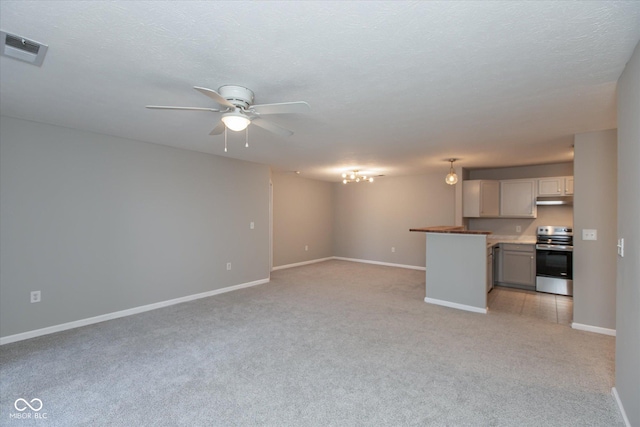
449,229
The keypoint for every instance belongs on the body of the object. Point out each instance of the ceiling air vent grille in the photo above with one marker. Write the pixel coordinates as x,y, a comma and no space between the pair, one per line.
22,49
22,44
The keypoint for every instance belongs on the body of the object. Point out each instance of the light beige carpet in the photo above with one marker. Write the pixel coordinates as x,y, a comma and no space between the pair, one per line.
328,344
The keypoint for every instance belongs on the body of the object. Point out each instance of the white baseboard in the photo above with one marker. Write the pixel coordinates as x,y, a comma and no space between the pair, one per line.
131,311
388,264
455,305
298,264
596,329
614,392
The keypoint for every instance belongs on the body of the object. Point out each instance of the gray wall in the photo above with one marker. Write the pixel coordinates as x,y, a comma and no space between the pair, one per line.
628,283
101,224
302,216
370,218
547,215
595,204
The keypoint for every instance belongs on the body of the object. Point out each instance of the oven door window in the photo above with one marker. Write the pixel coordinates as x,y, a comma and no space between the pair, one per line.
554,264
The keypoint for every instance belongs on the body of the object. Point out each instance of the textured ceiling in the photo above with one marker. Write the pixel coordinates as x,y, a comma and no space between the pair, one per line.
394,87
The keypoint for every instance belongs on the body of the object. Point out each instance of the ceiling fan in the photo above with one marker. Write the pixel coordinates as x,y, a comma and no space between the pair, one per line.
238,110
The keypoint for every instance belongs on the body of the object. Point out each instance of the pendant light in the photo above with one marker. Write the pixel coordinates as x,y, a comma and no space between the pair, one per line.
451,178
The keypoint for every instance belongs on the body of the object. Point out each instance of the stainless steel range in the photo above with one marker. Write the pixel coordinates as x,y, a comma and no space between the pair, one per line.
554,260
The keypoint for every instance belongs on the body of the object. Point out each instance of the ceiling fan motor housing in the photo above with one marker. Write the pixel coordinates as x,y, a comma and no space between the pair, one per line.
237,95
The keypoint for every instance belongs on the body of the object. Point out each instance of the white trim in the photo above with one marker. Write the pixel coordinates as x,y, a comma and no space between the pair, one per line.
614,392
298,264
389,264
455,305
596,329
270,223
123,313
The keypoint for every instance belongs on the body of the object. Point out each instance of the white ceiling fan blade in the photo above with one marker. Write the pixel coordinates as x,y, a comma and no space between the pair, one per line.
214,95
218,129
168,107
271,127
281,108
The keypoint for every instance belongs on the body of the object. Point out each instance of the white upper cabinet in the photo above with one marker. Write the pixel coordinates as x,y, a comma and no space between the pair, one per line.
555,186
568,185
518,198
480,198
510,198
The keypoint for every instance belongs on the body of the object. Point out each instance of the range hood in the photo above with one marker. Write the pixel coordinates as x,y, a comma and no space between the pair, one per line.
554,200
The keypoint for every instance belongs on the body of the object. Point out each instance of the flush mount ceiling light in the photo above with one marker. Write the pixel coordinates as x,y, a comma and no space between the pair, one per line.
451,178
354,176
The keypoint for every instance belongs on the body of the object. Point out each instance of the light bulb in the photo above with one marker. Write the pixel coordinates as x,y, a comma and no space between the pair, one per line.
235,121
452,178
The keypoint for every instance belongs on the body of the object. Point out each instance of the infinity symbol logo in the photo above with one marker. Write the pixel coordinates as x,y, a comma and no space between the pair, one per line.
23,402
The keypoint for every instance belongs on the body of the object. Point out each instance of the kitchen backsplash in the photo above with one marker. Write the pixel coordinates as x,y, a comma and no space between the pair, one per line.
547,215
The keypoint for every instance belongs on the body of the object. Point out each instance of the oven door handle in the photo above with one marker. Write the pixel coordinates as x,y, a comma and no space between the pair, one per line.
555,248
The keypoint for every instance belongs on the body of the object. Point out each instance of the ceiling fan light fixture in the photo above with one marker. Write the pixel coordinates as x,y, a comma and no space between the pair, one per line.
451,178
235,121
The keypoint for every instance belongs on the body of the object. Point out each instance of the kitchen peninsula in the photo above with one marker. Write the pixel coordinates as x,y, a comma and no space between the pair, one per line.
456,267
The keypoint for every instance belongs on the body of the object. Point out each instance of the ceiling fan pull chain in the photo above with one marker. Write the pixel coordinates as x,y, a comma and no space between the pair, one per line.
225,139
246,137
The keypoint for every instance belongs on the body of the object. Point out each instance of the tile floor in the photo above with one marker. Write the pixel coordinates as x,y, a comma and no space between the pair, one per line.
554,308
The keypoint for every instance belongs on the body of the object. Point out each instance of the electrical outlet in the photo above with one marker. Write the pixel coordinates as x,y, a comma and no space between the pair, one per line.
228,266
393,248
589,234
306,247
252,225
35,296
518,229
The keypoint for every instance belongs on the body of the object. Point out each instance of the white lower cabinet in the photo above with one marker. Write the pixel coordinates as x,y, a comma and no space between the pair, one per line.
489,269
517,265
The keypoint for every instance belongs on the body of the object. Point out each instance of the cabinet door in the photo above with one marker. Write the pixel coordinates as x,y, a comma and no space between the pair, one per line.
480,198
518,198
471,199
550,186
518,268
489,198
490,270
568,185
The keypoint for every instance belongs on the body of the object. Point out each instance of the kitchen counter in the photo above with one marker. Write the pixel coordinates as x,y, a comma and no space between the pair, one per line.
522,240
456,267
449,229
